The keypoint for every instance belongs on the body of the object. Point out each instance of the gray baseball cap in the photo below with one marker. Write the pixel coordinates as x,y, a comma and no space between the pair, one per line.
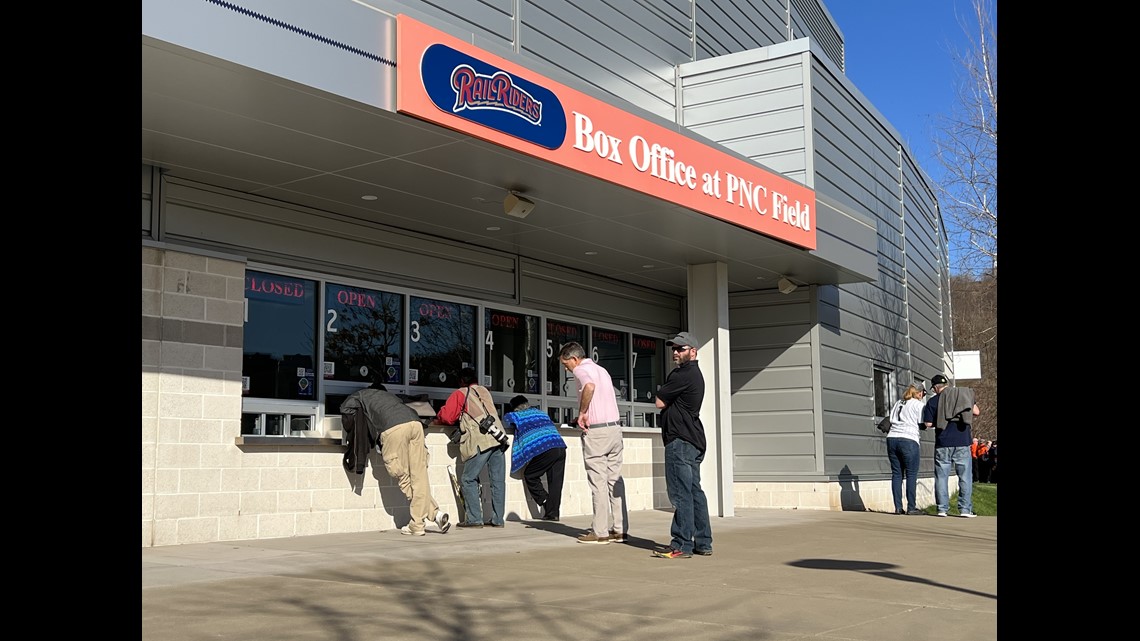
684,339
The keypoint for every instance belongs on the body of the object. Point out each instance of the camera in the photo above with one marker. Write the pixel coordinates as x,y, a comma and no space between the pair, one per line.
488,425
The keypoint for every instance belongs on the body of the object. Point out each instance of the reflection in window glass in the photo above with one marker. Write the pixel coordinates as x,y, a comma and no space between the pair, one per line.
883,391
280,347
560,382
511,351
648,367
441,342
611,351
362,334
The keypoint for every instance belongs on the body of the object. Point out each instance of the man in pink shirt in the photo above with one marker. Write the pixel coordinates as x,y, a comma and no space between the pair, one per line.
602,445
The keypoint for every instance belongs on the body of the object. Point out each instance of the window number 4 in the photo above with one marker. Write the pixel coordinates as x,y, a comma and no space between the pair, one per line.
490,339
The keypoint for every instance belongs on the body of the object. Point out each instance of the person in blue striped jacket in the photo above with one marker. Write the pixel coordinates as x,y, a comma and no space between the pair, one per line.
538,451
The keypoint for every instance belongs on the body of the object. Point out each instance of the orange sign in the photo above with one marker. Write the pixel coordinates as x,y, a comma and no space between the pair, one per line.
454,84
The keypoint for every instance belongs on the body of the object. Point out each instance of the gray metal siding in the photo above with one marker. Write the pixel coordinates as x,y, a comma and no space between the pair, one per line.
753,106
491,19
557,290
810,18
729,26
293,236
621,48
771,384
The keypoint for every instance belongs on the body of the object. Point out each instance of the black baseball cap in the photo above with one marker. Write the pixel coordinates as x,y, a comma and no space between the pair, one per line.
938,379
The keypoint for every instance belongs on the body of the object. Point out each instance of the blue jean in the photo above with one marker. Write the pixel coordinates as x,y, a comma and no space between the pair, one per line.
959,459
494,461
690,528
903,454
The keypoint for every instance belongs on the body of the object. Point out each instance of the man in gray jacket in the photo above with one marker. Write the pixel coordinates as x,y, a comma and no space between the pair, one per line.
401,436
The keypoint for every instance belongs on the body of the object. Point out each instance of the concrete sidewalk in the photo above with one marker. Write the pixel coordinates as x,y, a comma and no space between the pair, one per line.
775,575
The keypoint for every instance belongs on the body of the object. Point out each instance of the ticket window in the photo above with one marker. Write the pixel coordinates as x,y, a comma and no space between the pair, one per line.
441,341
610,349
510,352
560,381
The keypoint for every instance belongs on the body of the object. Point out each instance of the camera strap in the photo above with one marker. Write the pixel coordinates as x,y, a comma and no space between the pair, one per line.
467,400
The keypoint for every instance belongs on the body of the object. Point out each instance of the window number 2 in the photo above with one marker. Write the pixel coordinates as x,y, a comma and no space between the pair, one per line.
329,327
415,331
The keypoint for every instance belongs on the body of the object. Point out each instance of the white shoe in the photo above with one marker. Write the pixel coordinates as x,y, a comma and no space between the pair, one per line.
443,521
967,515
941,514
410,532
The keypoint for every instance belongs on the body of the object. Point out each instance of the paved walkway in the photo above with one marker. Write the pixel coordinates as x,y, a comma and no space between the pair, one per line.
775,575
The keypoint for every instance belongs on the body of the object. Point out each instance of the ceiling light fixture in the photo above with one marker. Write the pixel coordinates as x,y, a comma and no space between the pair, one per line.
786,286
517,205
368,197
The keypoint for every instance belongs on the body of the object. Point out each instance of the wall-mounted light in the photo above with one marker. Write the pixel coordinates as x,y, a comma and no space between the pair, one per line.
786,286
517,206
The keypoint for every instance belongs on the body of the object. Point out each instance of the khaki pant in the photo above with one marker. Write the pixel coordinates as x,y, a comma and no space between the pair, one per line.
602,450
406,458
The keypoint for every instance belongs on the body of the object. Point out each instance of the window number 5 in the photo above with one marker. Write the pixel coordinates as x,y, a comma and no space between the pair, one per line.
549,348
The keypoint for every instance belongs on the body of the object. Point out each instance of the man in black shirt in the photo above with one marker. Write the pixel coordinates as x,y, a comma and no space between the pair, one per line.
680,401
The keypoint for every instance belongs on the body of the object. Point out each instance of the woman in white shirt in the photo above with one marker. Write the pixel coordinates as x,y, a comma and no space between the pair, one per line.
903,447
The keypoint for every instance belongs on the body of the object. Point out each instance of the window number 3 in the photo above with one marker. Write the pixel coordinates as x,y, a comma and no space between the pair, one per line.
415,331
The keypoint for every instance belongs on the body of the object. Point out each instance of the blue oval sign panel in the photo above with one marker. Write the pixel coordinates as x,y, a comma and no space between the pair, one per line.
472,89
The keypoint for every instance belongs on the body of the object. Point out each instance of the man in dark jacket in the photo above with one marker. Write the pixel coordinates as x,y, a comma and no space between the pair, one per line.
680,400
951,411
375,413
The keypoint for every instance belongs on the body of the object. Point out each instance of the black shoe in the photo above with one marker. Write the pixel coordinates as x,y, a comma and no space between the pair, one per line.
703,552
546,517
490,524
915,512
470,525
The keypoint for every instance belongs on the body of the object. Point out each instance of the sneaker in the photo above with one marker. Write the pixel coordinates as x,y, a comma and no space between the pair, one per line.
410,532
941,514
549,518
443,521
672,553
967,515
619,538
490,524
471,525
590,537
914,512
703,552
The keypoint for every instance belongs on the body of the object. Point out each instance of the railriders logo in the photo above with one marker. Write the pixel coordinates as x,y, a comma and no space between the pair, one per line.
484,94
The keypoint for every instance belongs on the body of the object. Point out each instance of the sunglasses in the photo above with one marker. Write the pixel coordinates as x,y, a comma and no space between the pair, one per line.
680,348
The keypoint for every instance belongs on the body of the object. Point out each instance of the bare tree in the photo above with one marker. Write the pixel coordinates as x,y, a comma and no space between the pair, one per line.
965,146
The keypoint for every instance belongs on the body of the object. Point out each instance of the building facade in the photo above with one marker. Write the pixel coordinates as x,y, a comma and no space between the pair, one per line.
336,188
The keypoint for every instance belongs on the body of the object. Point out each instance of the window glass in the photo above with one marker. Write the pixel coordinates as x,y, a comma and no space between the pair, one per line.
510,349
559,381
611,351
441,341
363,334
648,367
884,391
279,353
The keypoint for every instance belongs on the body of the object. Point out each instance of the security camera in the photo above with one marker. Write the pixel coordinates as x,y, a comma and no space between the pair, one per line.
517,206
786,286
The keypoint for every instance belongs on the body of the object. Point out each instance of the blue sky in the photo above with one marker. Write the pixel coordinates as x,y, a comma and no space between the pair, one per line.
899,55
